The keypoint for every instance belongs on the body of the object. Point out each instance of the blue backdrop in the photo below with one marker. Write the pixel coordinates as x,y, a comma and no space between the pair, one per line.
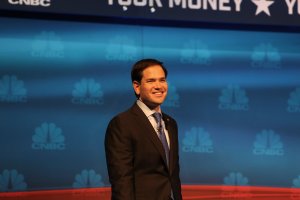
235,95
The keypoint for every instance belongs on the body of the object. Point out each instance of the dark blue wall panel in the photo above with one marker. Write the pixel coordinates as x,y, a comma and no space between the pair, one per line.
235,95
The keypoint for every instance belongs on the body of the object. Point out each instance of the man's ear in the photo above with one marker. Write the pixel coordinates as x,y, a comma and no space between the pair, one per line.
136,86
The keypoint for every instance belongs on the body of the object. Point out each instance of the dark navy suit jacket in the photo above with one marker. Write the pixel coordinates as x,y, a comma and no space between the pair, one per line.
136,160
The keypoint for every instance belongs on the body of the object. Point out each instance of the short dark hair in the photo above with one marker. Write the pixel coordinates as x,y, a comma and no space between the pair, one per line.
141,65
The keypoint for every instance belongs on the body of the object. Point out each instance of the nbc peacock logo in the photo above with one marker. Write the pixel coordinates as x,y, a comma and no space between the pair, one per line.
47,45
195,52
294,101
296,182
236,179
12,180
88,179
197,140
87,92
122,48
12,90
233,98
295,195
268,143
266,56
48,137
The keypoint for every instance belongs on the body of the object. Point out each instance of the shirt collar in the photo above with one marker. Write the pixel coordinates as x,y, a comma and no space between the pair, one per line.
148,112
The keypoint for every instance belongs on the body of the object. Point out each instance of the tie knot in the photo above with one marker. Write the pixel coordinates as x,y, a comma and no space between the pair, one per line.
157,117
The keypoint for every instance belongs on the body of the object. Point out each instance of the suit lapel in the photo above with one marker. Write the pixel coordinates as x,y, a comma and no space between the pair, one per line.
149,132
171,140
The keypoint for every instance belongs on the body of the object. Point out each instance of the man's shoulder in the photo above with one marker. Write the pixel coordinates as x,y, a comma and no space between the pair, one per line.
126,119
130,112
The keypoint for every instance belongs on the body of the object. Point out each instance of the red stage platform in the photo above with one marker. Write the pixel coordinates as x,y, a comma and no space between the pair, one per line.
190,192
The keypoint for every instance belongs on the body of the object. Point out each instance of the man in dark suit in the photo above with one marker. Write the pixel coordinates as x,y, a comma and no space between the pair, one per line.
141,147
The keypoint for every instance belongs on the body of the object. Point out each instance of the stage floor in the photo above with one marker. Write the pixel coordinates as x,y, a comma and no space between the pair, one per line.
189,192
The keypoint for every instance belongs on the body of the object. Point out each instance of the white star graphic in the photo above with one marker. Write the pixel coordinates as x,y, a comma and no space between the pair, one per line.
262,6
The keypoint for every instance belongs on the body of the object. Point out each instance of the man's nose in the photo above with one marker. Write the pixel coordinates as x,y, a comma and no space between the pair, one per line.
157,84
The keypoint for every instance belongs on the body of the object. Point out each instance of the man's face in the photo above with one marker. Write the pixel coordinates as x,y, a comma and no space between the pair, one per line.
153,87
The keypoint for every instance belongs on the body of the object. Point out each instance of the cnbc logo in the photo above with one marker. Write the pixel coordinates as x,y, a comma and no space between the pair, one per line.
48,137
172,99
88,178
236,179
47,45
87,92
197,140
12,89
121,48
294,101
233,98
195,52
268,143
296,182
11,181
266,56
296,185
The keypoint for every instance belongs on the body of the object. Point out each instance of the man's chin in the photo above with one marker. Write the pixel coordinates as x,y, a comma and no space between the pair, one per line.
154,104
159,101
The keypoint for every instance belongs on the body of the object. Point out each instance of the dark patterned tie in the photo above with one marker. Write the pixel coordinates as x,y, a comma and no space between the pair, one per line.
162,135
